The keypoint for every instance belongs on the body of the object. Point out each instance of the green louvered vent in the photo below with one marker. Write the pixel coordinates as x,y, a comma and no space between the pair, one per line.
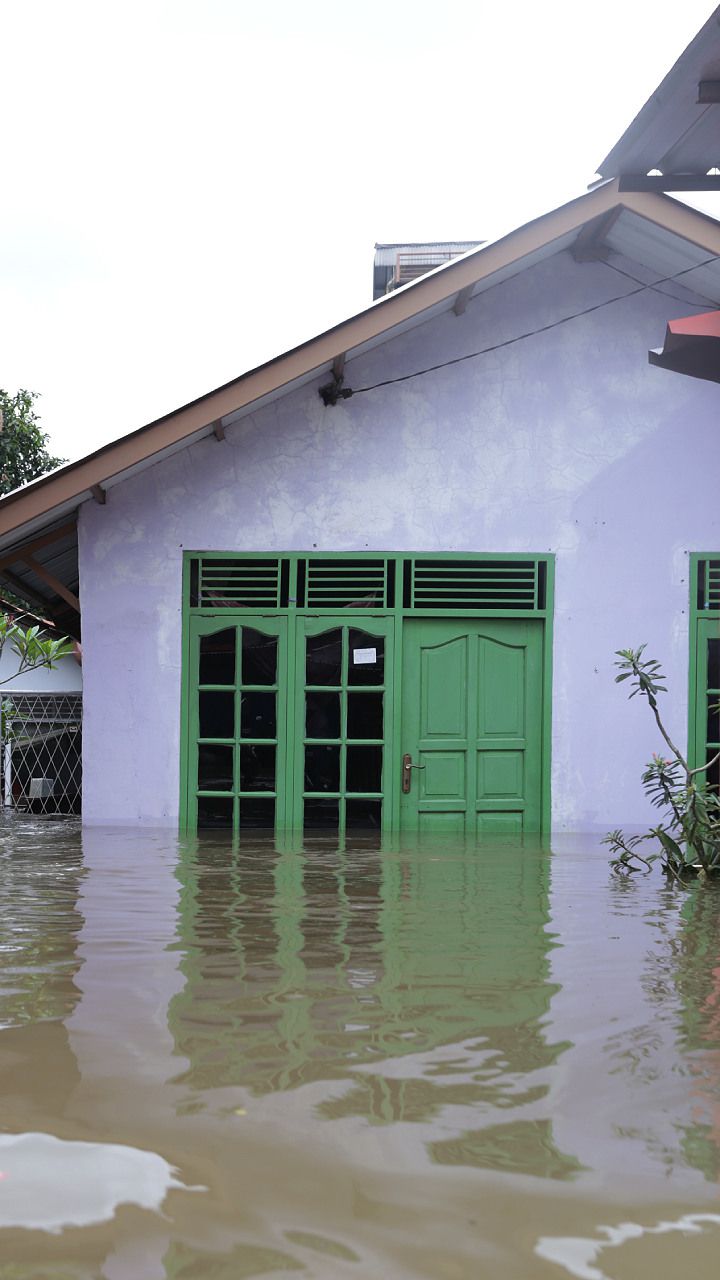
476,584
709,584
348,584
384,582
239,583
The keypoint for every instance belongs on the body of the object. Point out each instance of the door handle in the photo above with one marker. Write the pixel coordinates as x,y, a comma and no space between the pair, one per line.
407,767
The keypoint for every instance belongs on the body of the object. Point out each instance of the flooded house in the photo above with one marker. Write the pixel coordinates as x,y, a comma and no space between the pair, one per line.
379,581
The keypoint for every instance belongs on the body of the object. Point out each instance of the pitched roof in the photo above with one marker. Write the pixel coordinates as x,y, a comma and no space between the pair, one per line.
649,228
678,129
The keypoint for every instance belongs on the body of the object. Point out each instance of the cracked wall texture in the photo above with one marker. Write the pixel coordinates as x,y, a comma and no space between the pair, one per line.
566,442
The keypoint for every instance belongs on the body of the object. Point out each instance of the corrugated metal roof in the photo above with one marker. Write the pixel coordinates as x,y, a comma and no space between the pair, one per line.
673,132
59,558
664,254
386,254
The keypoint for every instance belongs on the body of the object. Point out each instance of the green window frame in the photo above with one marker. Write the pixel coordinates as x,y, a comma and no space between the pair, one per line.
371,591
704,687
343,740
236,763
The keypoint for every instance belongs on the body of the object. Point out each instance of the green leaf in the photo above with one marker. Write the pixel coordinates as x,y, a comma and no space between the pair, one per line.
671,847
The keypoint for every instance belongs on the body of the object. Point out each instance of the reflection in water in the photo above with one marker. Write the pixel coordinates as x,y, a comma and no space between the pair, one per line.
49,1184
431,1062
40,874
580,1257
419,981
691,964
523,1146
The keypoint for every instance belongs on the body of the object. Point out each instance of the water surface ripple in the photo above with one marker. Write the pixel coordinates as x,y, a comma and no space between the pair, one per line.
446,1061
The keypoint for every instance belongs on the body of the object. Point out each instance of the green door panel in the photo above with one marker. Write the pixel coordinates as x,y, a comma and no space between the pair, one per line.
342,716
707,719
302,723
237,723
472,723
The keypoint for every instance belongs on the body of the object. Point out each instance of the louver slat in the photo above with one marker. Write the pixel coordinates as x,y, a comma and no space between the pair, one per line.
346,584
229,584
475,584
709,581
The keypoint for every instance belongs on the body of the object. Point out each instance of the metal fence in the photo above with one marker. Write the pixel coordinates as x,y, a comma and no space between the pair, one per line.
41,752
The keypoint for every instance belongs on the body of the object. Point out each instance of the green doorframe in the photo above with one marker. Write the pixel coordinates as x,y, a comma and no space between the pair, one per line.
407,566
704,625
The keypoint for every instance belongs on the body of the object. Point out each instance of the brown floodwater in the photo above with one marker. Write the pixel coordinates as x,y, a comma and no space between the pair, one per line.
440,1061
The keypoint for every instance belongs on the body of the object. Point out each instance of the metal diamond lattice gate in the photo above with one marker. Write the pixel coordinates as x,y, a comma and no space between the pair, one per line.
41,752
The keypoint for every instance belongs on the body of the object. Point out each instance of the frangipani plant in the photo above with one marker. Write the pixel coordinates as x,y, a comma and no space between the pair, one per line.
32,647
687,840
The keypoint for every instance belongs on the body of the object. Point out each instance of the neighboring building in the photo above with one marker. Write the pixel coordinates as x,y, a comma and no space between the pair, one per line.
399,264
290,593
673,144
40,728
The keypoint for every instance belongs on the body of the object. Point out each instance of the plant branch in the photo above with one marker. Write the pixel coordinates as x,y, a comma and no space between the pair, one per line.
702,767
675,750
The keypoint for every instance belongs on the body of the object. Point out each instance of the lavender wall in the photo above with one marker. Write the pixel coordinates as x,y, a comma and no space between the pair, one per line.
567,442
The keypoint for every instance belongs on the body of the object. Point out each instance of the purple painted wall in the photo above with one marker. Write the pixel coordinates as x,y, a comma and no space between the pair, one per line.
567,442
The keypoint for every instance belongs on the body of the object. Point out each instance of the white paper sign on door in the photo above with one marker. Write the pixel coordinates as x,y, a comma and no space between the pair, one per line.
364,655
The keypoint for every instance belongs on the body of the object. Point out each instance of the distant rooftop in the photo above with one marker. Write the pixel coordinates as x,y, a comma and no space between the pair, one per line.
399,264
673,144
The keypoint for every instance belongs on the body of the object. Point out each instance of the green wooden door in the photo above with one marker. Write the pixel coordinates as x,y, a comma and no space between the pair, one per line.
342,722
472,722
237,723
707,717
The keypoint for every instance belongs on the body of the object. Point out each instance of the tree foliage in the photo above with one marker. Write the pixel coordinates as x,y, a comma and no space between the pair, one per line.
31,646
24,453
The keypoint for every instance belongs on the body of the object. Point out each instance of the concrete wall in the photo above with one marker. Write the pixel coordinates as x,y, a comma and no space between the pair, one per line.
566,442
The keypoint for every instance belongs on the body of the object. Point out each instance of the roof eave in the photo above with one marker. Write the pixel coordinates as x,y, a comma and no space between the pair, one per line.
76,482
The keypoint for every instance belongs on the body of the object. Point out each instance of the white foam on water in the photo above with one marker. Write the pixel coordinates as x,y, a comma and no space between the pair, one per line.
47,1184
577,1254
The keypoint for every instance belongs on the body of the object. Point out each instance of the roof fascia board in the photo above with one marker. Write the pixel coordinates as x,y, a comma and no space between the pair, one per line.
74,482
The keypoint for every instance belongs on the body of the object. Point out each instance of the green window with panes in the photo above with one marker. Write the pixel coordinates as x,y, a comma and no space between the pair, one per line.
366,692
704,700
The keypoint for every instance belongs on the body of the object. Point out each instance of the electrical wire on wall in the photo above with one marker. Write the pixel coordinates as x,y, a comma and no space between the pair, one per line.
334,391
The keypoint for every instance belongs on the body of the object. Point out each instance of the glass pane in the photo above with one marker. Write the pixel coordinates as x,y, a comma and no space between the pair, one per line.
257,815
713,676
217,658
259,657
324,656
217,715
713,720
322,815
366,658
214,811
363,815
322,715
364,768
257,768
713,773
322,768
365,715
257,715
215,768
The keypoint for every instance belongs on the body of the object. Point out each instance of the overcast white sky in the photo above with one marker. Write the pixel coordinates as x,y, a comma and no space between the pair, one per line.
192,187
